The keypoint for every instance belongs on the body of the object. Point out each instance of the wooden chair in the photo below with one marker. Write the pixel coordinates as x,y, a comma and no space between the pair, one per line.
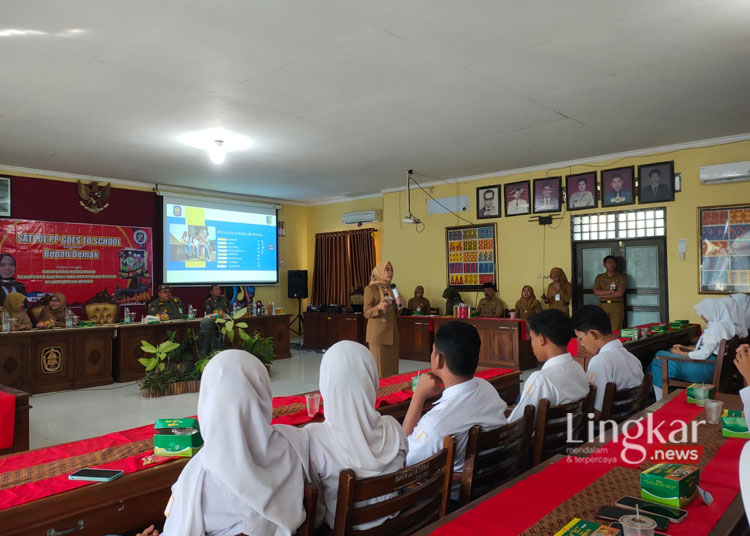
495,456
619,405
422,497
722,366
551,435
101,308
311,507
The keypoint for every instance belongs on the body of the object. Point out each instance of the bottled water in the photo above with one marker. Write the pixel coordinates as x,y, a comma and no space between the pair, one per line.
6,322
126,316
68,318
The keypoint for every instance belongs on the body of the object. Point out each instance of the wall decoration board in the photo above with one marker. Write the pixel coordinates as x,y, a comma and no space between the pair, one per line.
471,256
724,234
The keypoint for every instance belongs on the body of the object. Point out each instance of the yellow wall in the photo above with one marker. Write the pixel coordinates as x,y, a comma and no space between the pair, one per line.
526,249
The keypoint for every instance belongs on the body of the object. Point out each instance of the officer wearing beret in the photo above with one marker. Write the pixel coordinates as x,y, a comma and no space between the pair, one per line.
166,306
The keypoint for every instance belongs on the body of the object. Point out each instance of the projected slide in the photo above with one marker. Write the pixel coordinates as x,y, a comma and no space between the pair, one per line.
205,245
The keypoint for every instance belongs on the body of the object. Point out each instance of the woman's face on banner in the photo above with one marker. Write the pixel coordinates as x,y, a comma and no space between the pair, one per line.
7,267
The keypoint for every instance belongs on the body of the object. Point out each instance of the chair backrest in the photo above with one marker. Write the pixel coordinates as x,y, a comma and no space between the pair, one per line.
311,507
719,366
619,405
495,456
101,313
727,378
420,492
551,434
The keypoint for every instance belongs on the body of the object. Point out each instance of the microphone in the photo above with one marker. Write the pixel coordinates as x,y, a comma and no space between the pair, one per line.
395,291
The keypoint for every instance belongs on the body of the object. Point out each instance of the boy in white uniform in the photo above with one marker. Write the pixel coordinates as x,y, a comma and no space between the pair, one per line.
611,361
466,401
561,379
742,362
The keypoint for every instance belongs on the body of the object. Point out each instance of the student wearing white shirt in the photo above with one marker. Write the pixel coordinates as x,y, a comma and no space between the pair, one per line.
611,361
743,301
249,477
354,434
561,379
466,401
742,362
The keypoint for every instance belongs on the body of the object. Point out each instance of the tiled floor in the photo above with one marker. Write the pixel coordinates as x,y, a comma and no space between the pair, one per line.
71,415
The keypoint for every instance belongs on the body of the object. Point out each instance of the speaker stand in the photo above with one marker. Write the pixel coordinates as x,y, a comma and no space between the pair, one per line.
298,319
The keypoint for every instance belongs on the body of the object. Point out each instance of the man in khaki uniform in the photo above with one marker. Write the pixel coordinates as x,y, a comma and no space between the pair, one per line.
491,306
610,288
166,306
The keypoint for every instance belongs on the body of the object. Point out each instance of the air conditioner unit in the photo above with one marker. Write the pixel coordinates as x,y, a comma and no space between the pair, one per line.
366,216
732,172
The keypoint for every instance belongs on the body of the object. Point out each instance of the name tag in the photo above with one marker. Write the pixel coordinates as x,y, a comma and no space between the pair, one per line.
557,297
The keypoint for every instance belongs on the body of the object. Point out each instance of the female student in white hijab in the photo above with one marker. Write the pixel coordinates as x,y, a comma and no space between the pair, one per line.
354,435
716,314
249,477
738,316
743,302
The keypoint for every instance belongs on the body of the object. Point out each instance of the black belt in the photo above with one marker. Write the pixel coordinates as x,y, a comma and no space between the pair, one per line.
610,301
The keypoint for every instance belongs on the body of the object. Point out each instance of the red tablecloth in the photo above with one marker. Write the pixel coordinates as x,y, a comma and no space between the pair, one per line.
573,343
7,419
517,508
43,488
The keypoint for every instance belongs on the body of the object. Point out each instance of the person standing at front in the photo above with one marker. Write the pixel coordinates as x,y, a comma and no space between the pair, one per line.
559,291
610,288
381,311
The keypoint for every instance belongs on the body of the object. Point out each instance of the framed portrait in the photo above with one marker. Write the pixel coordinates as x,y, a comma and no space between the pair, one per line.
488,202
581,190
618,187
517,198
4,196
471,256
547,194
656,183
724,249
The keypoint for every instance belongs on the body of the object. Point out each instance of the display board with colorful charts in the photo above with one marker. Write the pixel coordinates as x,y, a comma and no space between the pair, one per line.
472,257
724,249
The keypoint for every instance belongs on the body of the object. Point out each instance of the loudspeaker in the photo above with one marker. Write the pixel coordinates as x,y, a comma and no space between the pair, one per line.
297,283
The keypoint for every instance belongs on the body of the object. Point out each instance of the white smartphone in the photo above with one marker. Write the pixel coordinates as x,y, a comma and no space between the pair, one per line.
96,475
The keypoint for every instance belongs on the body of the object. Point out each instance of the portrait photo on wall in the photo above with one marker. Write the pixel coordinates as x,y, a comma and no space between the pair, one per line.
547,194
4,196
581,189
488,202
656,182
517,195
618,187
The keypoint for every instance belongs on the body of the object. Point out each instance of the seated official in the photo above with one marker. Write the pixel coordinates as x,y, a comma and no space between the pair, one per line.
527,305
419,304
491,306
166,306
720,325
561,379
354,434
209,335
15,306
216,302
466,401
452,299
611,361
53,314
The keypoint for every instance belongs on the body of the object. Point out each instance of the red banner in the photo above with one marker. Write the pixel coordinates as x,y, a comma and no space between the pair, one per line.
76,259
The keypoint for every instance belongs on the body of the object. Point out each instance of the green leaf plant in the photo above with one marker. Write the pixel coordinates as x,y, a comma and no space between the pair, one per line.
228,325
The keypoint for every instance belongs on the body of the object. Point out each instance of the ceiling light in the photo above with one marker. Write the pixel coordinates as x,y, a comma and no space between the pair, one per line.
10,32
217,153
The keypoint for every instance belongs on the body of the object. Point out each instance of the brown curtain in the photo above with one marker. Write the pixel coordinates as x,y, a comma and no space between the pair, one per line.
343,262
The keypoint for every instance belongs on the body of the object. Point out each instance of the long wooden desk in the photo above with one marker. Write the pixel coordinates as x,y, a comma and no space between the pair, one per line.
733,520
137,499
21,428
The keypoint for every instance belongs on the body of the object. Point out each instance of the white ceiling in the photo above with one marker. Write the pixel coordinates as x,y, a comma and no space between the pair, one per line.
342,96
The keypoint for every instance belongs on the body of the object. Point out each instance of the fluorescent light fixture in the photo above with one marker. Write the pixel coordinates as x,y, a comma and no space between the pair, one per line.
217,142
11,32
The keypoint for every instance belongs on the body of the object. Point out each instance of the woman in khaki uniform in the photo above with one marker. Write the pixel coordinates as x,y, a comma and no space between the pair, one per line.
381,311
559,291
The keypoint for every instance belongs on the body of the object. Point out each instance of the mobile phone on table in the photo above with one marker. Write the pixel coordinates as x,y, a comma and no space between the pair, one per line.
618,526
96,475
675,515
613,513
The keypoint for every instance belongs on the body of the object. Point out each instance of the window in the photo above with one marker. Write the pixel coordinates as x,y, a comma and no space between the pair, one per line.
616,225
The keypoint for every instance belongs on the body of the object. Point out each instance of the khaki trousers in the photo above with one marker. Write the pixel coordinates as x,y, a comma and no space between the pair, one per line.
616,313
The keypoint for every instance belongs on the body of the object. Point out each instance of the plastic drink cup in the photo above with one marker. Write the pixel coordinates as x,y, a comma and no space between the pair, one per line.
512,315
635,525
414,382
714,410
701,395
313,404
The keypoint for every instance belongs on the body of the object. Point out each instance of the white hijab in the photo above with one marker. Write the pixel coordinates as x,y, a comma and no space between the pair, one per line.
743,301
258,463
362,438
737,314
719,318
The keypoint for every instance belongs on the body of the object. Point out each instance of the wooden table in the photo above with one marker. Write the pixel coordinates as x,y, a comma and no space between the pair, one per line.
46,360
503,343
732,522
323,330
21,427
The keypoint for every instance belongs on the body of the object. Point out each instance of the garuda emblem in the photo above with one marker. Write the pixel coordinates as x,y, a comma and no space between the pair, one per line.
93,195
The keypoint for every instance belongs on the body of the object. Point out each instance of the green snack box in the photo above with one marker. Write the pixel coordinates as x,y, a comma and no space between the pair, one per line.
733,413
672,484
581,527
690,396
734,427
177,437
